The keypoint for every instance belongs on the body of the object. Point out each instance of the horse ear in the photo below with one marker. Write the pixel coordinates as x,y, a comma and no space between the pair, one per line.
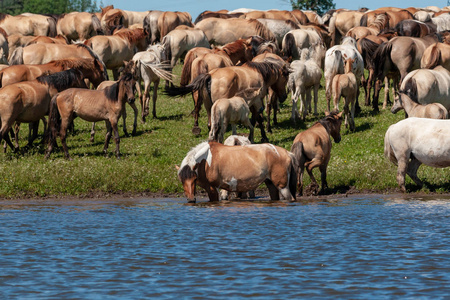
327,113
177,167
340,114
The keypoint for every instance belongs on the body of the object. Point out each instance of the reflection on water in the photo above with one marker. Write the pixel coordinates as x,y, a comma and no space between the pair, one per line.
357,247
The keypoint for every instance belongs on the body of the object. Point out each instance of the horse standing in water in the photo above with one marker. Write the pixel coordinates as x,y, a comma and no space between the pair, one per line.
90,105
415,141
238,169
312,148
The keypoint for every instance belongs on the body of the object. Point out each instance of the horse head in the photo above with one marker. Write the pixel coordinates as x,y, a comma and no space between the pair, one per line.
398,103
332,122
126,87
188,178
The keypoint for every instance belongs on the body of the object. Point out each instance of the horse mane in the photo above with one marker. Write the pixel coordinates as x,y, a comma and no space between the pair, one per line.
112,92
95,56
266,68
105,9
233,47
78,63
292,24
325,122
132,35
3,32
60,80
114,19
3,16
380,21
187,165
262,30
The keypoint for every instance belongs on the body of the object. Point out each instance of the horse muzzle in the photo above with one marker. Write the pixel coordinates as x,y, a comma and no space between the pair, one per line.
131,100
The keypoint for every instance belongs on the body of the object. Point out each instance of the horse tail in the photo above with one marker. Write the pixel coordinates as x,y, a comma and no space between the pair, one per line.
54,121
1,78
363,21
202,84
215,124
381,57
96,25
289,45
431,57
187,68
388,151
16,57
167,49
51,27
297,151
410,88
368,49
293,171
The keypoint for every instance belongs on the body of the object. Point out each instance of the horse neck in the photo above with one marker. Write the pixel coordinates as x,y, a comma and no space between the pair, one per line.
407,103
348,67
197,155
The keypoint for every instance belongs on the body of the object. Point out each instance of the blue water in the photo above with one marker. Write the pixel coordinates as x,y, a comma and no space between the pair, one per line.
363,247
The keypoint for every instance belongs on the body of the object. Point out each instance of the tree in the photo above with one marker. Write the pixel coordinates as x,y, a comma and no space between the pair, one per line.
319,6
47,6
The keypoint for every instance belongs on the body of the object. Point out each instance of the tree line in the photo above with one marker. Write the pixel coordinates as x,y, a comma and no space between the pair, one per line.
16,7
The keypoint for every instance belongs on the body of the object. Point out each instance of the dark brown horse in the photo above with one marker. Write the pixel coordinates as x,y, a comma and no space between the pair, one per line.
213,14
312,148
414,28
90,105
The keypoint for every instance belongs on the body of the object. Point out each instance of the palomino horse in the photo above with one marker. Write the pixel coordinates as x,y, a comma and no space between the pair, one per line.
224,31
346,85
229,111
113,50
334,64
90,105
29,101
414,109
170,20
238,169
298,39
90,68
28,24
437,54
79,26
415,141
178,41
150,25
379,24
150,69
312,148
305,76
426,86
250,81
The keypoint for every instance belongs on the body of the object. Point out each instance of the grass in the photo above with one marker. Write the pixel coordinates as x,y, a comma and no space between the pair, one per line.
148,160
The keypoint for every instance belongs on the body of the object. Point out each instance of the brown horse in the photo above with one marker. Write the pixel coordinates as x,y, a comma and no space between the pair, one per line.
150,25
380,23
79,26
111,18
249,81
59,39
395,16
238,169
90,105
29,101
90,68
28,24
298,16
435,55
215,14
312,148
414,28
169,20
224,31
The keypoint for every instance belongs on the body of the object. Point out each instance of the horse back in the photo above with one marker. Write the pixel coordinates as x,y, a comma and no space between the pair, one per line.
315,141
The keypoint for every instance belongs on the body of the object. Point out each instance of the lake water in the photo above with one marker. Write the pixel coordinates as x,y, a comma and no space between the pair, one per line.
359,247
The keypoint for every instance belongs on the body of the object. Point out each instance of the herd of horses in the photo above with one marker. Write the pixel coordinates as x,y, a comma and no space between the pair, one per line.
237,64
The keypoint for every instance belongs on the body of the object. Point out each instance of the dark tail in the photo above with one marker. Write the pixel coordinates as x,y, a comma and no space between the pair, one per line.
96,25
289,49
51,27
201,84
1,78
297,151
363,21
16,57
187,68
368,49
381,57
293,177
54,121
166,43
410,88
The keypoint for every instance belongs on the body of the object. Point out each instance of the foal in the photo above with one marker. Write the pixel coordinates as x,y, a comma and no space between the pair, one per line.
414,109
346,85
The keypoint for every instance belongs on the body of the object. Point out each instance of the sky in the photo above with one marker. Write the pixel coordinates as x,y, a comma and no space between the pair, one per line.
195,7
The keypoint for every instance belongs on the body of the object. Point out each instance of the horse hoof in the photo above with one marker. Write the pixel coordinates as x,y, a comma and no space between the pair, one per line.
196,130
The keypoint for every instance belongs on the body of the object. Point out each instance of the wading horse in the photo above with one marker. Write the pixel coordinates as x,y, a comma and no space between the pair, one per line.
312,148
29,101
90,105
238,169
415,141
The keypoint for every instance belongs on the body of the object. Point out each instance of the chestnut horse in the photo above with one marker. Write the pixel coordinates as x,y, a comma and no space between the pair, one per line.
212,165
415,141
437,54
312,148
29,101
90,105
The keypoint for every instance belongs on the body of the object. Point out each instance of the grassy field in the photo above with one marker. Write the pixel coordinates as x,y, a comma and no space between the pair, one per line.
148,159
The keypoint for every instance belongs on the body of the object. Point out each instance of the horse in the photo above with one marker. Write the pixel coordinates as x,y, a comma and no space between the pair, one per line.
28,24
111,18
334,64
169,20
395,16
415,141
113,50
249,80
437,54
90,105
178,41
150,68
29,101
305,76
426,86
279,28
346,85
224,31
414,28
150,25
79,26
90,68
135,17
312,148
229,111
214,14
379,24
59,39
341,22
212,165
414,109
296,16
397,57
295,40
4,47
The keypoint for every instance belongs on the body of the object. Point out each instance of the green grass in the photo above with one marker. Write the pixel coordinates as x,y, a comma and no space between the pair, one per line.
148,160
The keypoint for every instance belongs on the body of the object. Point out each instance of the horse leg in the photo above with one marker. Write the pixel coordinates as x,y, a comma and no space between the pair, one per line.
260,120
136,112
346,111
301,170
402,166
250,126
233,128
294,113
352,115
107,136
116,137
124,118
364,84
304,105
213,194
273,190
63,134
269,109
376,93
413,166
92,132
309,167
316,98
369,87
154,97
386,92
323,177
115,74
4,133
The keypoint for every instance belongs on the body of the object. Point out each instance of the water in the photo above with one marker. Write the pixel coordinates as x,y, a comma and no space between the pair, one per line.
360,247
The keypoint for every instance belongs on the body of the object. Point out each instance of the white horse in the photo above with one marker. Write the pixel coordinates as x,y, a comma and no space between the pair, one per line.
414,109
335,64
415,141
229,111
304,77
